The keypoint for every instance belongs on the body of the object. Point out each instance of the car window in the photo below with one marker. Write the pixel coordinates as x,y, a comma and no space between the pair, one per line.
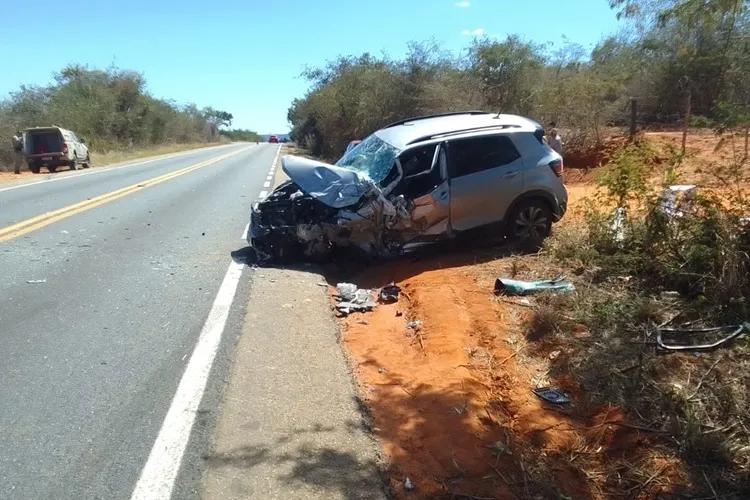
373,158
419,177
469,156
417,160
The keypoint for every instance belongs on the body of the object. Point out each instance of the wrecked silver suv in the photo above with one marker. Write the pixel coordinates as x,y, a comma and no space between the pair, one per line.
416,182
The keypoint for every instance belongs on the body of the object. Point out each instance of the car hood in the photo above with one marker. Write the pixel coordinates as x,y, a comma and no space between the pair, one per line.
331,185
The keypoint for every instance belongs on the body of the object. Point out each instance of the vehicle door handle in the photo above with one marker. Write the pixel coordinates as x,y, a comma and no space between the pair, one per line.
510,174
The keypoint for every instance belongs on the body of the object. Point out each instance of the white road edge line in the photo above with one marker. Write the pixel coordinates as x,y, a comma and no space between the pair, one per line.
267,184
244,233
112,169
158,476
262,195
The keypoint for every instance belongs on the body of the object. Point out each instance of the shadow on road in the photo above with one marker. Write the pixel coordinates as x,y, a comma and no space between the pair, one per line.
295,459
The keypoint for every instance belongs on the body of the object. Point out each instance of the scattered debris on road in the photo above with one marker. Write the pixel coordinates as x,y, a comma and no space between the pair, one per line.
34,282
354,299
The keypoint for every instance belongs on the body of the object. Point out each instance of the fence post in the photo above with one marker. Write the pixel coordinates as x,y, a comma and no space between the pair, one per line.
687,118
633,116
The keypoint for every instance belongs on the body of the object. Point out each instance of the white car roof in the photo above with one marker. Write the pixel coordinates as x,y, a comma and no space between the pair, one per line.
409,132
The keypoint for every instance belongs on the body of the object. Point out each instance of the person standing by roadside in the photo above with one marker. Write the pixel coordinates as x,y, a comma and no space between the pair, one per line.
554,140
17,143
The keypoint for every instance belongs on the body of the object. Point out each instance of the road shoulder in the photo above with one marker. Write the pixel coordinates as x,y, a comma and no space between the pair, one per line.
290,425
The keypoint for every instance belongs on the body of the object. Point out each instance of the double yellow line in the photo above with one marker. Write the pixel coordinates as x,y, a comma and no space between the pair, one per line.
40,221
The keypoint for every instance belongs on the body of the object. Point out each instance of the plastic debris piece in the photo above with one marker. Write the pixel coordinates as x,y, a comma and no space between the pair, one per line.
517,287
414,325
408,485
389,294
618,223
678,199
552,395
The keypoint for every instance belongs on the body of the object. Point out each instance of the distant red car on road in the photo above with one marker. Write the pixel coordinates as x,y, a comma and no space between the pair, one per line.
273,138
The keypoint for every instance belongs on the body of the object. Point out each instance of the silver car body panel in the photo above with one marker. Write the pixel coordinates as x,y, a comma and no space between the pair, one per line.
334,186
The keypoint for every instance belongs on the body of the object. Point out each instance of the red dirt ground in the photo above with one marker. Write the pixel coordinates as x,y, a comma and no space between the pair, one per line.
453,408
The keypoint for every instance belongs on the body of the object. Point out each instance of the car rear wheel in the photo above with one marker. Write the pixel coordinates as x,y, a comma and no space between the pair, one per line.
74,163
87,163
34,168
530,223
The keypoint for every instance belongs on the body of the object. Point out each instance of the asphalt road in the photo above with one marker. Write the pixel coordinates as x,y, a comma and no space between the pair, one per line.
101,310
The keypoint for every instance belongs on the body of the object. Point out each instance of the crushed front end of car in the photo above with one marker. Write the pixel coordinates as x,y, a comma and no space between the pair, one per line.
325,208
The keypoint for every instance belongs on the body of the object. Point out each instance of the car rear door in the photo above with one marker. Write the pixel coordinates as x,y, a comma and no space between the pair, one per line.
486,176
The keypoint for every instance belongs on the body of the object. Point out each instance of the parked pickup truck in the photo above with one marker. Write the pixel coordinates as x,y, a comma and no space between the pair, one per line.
52,147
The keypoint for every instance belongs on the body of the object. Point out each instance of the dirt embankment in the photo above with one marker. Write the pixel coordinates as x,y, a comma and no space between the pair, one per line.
452,400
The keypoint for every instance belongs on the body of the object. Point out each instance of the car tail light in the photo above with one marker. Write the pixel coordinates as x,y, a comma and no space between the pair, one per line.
65,148
557,167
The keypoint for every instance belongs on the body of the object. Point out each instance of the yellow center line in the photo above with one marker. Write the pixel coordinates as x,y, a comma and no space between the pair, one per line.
24,227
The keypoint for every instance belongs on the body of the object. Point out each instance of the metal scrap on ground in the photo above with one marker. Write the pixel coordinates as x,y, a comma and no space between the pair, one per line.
734,331
354,299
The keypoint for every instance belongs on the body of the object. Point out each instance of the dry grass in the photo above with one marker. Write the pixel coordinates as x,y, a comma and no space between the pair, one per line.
111,157
696,404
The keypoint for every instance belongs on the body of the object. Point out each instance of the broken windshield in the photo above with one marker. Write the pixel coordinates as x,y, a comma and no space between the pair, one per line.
373,157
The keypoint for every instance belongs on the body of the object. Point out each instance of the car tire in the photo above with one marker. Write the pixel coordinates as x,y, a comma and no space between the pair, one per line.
52,169
530,223
34,168
87,163
74,163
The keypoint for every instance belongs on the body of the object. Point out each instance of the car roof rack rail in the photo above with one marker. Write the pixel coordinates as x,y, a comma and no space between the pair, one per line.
462,131
425,117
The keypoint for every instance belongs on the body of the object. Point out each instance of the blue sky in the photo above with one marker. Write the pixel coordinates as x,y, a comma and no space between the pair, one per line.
245,56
